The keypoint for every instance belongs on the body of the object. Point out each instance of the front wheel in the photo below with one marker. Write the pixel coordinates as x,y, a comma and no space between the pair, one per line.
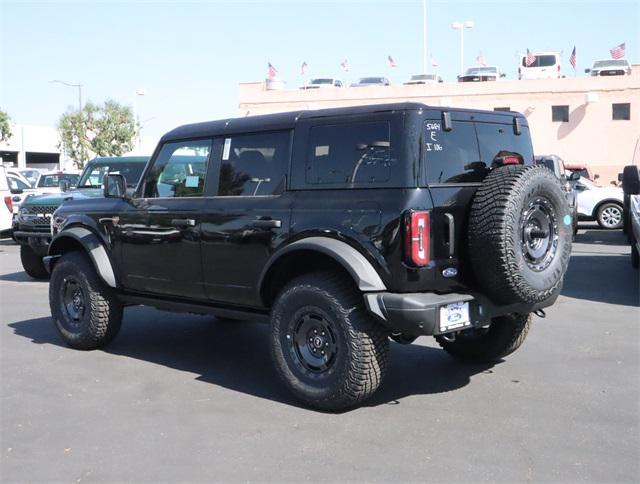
504,335
610,216
85,311
326,348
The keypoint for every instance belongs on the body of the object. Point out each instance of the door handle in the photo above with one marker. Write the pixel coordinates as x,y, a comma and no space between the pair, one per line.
267,223
183,223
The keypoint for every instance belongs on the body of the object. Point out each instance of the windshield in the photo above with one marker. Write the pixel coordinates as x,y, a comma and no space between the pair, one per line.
475,71
93,174
372,80
16,183
423,77
610,62
53,180
321,81
541,61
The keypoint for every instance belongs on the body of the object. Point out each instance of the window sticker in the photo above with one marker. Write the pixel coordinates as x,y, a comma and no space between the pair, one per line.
192,181
322,150
227,149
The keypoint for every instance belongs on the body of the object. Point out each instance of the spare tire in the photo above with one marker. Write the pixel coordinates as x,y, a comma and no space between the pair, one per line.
520,231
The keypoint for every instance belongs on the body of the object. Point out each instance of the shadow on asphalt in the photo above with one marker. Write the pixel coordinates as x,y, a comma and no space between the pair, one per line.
20,277
236,355
602,276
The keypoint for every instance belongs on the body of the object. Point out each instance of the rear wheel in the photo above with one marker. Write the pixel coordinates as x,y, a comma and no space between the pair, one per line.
326,348
32,263
609,216
85,311
504,335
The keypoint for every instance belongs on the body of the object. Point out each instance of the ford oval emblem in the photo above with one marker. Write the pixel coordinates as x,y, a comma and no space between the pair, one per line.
450,272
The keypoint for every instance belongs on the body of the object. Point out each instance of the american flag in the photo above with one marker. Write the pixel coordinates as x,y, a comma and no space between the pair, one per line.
573,59
618,51
530,58
273,72
303,68
392,63
345,65
480,60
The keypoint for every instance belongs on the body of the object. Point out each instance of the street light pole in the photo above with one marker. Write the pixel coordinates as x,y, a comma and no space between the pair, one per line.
136,117
424,36
79,86
467,24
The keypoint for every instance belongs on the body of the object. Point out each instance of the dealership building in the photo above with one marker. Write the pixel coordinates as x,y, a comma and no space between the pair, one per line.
593,121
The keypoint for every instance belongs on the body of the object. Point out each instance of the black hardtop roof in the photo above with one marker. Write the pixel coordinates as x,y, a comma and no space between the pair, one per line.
119,159
266,122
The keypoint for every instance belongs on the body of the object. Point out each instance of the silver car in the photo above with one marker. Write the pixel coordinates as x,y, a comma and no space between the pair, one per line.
610,67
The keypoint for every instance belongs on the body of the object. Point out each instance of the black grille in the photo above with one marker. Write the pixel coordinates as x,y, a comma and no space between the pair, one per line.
42,214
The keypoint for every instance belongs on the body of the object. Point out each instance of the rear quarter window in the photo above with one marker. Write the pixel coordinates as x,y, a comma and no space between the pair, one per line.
358,154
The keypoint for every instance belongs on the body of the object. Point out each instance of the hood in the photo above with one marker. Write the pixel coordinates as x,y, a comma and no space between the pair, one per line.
57,198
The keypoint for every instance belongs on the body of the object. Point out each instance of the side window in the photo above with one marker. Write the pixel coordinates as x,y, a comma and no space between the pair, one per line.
452,156
179,170
254,164
497,140
354,154
560,114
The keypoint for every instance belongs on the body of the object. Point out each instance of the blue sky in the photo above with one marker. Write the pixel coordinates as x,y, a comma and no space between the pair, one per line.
189,56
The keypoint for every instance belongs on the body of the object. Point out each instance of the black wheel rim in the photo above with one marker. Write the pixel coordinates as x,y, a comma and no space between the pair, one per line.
73,300
313,342
539,234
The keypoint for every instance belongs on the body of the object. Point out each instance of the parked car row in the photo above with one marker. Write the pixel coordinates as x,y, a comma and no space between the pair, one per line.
545,65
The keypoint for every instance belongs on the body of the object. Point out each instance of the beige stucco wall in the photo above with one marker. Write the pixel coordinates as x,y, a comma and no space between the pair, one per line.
590,136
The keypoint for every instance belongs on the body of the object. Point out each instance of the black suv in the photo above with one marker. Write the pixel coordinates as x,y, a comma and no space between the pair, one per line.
342,228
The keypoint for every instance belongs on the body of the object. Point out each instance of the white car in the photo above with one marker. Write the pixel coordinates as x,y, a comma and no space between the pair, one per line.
602,204
323,82
610,67
546,65
481,74
6,204
424,79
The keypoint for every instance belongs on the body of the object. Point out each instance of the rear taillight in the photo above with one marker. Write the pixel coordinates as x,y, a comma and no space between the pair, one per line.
8,203
417,238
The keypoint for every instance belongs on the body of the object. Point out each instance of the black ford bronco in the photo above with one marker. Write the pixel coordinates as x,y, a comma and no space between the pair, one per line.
343,228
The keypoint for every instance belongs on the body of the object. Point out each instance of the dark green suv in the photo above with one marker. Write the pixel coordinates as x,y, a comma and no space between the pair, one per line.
31,226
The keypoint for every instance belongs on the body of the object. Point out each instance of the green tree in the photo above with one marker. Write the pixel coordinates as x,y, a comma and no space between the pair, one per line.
5,127
106,130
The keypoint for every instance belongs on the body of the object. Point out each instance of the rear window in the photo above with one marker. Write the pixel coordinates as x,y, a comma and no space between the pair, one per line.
355,154
465,154
541,61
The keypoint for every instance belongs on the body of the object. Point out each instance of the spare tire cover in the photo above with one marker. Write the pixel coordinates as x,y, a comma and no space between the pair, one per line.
520,231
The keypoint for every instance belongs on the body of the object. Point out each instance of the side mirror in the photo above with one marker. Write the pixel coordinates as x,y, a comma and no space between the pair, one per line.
64,185
114,185
631,180
574,176
596,176
502,74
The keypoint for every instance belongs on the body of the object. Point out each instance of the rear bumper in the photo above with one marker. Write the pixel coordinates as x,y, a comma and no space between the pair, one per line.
418,314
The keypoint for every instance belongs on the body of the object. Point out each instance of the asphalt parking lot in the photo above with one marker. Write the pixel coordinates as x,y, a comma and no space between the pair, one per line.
189,398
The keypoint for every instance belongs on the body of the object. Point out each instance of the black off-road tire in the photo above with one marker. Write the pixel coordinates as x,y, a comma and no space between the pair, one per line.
505,335
500,223
359,346
101,317
601,216
32,263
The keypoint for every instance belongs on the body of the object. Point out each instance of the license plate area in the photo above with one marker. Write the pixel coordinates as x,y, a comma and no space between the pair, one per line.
454,316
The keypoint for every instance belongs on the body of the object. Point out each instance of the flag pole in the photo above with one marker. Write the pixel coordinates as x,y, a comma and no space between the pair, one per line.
424,36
